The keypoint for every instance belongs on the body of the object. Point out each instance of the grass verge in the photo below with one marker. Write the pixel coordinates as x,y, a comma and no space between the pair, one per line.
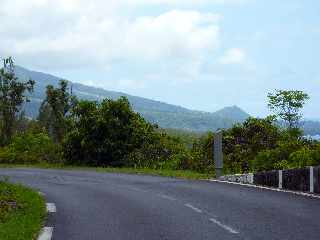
22,212
184,174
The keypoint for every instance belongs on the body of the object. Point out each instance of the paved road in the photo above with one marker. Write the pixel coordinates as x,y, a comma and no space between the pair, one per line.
118,206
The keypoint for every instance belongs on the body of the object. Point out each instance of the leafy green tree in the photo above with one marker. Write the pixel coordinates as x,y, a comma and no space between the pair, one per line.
12,96
241,144
202,154
244,141
103,134
161,151
287,105
54,110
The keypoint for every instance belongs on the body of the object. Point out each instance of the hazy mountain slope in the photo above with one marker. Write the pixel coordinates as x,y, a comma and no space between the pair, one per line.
165,115
311,127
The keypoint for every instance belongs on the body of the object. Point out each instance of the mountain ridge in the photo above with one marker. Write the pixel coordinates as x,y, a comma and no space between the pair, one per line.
163,114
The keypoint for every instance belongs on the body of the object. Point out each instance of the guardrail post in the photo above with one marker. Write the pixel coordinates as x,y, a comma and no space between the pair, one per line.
280,179
311,180
251,178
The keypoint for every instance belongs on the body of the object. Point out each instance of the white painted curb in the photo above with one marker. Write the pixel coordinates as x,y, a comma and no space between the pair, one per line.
51,208
46,233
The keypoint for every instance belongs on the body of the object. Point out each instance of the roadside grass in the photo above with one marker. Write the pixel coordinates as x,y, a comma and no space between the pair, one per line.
22,212
183,174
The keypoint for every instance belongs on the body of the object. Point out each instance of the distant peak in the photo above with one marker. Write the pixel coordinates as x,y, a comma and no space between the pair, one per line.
233,112
233,108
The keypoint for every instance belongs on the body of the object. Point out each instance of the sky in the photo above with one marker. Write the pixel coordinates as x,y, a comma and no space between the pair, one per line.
200,54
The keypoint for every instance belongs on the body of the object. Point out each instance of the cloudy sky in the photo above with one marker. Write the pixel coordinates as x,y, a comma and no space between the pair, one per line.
201,54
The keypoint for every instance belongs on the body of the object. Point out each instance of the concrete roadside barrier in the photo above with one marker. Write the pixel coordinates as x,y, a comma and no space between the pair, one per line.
303,179
240,178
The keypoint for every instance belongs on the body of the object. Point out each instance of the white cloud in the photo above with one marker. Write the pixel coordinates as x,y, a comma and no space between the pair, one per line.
172,34
75,33
186,2
233,56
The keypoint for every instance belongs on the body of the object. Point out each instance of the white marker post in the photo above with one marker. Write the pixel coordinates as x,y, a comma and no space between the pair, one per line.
218,155
311,180
280,179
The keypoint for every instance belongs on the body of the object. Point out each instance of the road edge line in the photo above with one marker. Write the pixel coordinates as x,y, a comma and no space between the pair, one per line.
225,227
188,205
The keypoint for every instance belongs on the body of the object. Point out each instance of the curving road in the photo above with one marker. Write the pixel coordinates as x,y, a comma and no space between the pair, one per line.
105,206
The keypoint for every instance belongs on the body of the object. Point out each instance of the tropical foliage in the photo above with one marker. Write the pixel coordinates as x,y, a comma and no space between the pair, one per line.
12,96
109,133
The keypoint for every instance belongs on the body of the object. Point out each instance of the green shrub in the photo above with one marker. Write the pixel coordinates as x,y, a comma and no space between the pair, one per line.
294,154
202,154
30,148
8,201
178,161
316,155
266,160
7,155
160,152
284,164
301,158
103,134
22,212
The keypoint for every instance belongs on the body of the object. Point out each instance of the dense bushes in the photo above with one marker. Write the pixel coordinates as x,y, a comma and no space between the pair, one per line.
111,134
259,145
244,141
104,133
202,154
30,148
294,154
159,152
22,212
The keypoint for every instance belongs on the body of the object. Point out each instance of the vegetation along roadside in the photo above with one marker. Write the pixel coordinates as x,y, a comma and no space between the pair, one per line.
109,136
22,212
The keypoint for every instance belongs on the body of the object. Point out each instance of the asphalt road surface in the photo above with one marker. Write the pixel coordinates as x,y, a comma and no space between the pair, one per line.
107,206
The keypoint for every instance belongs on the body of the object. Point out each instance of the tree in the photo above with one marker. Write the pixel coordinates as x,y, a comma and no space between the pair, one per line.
244,141
287,105
104,133
12,96
54,110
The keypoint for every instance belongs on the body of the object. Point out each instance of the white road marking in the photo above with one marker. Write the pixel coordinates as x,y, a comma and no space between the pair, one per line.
193,208
269,188
51,208
225,227
167,197
46,233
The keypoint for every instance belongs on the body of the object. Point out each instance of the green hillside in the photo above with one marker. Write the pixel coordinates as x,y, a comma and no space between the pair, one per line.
163,114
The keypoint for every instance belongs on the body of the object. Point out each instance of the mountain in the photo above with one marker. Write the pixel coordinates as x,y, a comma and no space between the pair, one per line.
163,114
311,128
